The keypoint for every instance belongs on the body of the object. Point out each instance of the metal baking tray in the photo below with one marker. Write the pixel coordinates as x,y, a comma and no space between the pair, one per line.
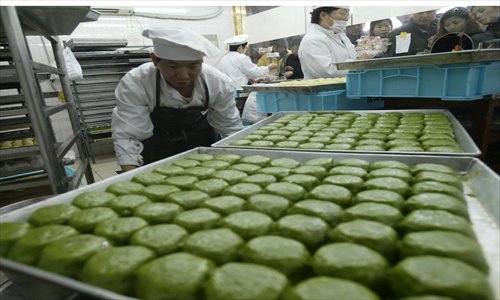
465,56
462,137
481,193
273,88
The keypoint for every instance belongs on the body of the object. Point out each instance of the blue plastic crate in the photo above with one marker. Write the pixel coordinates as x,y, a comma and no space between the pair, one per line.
321,101
448,82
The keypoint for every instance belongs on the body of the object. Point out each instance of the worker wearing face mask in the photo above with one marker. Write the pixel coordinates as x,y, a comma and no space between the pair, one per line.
325,43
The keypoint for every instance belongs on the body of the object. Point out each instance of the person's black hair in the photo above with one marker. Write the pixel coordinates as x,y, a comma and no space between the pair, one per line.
279,43
373,23
317,11
234,48
292,41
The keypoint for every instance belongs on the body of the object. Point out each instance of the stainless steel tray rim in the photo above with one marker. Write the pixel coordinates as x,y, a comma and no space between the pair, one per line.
462,164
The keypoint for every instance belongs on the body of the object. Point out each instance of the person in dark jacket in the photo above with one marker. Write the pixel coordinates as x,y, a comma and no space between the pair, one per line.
413,37
292,61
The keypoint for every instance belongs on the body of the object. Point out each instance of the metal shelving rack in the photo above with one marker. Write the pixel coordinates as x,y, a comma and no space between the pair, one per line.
103,62
26,114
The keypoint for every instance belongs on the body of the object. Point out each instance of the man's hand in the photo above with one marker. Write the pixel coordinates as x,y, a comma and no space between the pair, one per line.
126,168
272,66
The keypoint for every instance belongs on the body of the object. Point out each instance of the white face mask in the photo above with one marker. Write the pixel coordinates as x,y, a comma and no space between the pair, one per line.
338,26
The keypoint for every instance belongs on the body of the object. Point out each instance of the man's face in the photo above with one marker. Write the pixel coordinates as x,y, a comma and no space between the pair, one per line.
179,73
486,14
424,18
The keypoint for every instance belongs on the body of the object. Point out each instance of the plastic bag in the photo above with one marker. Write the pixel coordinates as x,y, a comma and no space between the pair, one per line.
73,68
250,114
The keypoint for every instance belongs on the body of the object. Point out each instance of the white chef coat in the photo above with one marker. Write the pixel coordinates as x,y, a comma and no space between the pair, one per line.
319,51
136,98
240,68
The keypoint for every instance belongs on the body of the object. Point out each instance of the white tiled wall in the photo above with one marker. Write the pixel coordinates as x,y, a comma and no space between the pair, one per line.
130,28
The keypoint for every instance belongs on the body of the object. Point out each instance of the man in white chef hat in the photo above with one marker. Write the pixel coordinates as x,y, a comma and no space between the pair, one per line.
174,103
240,68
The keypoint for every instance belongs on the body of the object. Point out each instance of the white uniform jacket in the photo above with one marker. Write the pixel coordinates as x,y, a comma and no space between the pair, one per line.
240,68
136,98
319,51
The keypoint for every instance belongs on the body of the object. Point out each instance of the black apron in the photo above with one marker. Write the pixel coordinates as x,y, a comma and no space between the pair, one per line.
177,130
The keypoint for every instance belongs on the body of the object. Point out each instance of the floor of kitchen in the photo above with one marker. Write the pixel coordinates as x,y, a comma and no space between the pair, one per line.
105,166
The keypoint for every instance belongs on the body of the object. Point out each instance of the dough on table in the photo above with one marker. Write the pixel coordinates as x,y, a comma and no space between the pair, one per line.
450,277
10,233
245,281
28,248
352,262
307,229
224,205
197,219
124,205
162,239
187,199
149,178
157,213
329,212
92,199
119,231
324,287
379,212
247,224
272,205
87,219
114,268
68,255
283,254
374,235
124,188
58,214
174,276
220,245
444,243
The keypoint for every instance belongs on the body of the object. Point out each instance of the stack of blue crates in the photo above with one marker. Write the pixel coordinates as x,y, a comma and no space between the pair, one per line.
320,101
448,82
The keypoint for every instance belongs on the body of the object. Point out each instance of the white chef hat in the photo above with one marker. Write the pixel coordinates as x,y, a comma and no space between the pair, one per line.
176,43
236,40
336,6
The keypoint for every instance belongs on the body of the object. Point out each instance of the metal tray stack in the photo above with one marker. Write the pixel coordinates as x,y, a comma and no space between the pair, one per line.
462,137
481,191
102,70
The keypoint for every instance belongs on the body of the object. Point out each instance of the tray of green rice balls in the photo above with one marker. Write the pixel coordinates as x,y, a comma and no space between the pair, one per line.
431,131
219,223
